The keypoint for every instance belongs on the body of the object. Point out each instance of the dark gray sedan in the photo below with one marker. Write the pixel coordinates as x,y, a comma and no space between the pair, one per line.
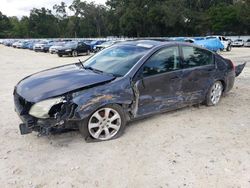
124,82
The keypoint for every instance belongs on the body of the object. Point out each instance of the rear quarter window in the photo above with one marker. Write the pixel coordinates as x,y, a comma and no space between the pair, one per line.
195,57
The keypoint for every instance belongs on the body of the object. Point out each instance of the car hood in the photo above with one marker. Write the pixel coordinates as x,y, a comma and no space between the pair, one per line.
58,81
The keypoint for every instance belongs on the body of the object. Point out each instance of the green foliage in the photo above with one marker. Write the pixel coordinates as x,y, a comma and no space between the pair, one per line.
133,18
5,26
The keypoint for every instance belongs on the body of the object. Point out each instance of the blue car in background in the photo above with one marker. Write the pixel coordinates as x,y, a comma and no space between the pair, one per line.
95,43
31,45
25,44
211,44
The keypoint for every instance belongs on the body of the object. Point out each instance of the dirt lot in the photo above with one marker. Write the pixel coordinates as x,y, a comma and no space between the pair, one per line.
192,147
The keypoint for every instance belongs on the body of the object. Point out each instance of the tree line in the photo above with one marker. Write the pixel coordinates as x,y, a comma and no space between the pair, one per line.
131,18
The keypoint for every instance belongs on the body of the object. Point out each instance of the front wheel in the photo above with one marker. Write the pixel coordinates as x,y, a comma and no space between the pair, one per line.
214,94
104,124
74,53
229,48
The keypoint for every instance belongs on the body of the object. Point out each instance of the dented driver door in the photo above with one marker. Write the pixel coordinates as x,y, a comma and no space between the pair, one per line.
159,82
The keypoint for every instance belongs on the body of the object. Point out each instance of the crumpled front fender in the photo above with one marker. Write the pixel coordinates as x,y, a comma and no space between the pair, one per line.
88,101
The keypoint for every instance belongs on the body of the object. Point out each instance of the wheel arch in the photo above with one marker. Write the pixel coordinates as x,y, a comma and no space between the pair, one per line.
84,111
223,84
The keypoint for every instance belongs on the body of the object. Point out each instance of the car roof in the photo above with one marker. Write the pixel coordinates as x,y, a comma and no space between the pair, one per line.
144,43
150,44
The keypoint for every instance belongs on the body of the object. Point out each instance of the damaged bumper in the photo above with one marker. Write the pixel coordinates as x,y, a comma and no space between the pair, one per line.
43,127
62,119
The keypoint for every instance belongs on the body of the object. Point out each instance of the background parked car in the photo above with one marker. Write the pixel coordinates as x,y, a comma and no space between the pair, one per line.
55,47
247,43
238,43
38,47
74,48
47,46
15,44
226,42
104,45
19,44
94,43
213,44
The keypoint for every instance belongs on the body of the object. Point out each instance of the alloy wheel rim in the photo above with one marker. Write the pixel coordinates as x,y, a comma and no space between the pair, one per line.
104,124
216,93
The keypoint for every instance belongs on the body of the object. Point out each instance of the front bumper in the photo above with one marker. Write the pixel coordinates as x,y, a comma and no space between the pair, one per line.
30,124
64,121
63,52
38,49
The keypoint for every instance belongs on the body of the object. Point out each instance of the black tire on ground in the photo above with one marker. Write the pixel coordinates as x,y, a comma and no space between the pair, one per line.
208,100
59,55
74,53
83,125
229,48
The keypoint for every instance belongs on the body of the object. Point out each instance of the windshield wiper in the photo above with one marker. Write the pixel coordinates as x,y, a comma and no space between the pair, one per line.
93,69
99,71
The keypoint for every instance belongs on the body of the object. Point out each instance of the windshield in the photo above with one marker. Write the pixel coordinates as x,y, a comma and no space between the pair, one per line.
71,44
116,60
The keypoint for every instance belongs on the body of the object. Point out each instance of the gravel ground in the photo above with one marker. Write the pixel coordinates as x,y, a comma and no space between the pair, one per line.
192,147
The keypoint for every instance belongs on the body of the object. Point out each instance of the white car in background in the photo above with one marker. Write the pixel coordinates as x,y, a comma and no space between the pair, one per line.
226,42
53,49
15,44
238,43
247,43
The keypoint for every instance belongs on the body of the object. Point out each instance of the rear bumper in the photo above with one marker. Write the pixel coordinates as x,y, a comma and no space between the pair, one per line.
237,45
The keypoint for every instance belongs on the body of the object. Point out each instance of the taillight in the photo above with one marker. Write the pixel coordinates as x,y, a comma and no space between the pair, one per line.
232,65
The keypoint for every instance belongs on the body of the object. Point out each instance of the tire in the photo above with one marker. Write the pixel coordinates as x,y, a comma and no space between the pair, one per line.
93,129
74,53
214,94
229,48
59,55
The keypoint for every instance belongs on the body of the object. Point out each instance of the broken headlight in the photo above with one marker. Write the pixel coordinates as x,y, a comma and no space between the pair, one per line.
41,109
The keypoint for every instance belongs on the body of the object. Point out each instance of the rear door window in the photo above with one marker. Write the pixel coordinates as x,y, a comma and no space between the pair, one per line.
195,57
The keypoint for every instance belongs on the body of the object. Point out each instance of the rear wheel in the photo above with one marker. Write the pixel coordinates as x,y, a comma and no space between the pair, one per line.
214,94
104,124
59,55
